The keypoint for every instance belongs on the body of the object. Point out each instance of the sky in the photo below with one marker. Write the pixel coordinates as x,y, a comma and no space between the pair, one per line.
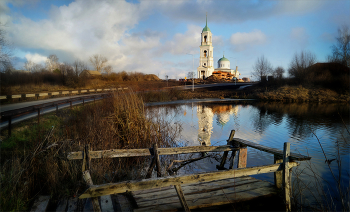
162,37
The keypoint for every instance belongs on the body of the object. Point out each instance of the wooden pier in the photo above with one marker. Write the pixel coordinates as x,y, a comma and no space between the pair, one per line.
186,192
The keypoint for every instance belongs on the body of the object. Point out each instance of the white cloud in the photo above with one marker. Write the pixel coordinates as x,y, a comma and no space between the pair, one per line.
242,40
36,58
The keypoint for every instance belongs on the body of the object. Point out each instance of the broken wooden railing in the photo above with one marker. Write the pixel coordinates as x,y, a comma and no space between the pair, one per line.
283,162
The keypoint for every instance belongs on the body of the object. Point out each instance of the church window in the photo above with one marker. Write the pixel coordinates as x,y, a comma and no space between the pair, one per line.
205,53
205,38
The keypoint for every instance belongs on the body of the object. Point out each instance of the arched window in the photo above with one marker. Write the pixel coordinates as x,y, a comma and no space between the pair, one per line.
205,53
205,38
205,64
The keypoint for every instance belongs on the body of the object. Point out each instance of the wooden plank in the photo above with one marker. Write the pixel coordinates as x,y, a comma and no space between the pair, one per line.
62,205
106,204
3,97
278,174
232,159
182,199
192,197
74,91
55,93
72,204
214,198
83,91
150,168
88,180
43,94
16,96
98,89
286,177
294,156
242,158
29,95
146,152
193,188
112,188
156,156
41,204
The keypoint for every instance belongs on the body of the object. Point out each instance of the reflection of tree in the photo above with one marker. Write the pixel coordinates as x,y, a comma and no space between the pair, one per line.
205,124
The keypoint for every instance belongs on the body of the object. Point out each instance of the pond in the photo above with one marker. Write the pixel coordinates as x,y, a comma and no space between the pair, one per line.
312,129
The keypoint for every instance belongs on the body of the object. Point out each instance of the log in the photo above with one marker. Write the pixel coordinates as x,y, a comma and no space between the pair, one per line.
88,180
151,167
242,157
182,199
113,153
286,176
294,156
135,185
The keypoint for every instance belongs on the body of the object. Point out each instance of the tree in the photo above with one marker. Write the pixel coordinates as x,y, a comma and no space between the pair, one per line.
5,51
108,70
278,72
78,67
190,74
341,50
262,67
29,66
299,64
52,63
98,62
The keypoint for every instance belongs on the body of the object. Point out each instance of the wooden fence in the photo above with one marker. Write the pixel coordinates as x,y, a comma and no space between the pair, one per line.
283,162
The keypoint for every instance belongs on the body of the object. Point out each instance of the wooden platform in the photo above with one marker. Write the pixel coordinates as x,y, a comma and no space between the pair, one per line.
201,195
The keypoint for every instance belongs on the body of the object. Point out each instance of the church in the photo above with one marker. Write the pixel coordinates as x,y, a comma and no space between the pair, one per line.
206,59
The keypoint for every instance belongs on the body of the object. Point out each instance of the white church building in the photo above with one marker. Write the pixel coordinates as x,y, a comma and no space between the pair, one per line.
206,59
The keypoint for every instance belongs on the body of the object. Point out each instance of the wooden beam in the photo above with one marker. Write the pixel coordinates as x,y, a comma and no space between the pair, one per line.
286,177
151,167
113,153
294,156
136,185
88,180
242,157
224,157
156,156
182,199
278,174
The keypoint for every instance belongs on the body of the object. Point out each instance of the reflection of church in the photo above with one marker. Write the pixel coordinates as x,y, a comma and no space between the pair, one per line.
205,116
206,59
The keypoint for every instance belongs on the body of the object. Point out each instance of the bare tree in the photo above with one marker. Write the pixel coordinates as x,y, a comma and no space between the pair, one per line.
52,63
262,67
78,67
98,62
278,72
108,69
29,66
341,50
5,50
299,64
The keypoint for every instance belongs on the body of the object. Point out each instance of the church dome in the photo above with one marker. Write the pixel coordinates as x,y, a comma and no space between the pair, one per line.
223,59
223,63
206,29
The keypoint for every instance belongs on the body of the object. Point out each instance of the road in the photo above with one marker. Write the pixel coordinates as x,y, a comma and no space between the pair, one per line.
189,86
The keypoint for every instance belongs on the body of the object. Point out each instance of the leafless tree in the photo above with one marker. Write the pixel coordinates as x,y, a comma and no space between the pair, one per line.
278,72
5,50
78,67
299,64
52,63
98,62
341,50
108,69
29,66
262,67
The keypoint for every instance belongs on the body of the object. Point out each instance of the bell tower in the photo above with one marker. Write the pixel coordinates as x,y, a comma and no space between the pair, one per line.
206,59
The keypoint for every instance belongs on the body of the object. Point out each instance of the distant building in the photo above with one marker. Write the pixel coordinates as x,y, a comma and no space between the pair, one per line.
246,79
90,74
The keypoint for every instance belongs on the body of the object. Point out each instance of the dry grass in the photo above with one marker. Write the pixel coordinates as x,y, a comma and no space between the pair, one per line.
34,160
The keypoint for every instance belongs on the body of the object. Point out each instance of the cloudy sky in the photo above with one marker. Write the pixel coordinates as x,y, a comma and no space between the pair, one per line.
157,36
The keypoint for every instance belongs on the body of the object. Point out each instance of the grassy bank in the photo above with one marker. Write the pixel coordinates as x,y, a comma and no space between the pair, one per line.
33,159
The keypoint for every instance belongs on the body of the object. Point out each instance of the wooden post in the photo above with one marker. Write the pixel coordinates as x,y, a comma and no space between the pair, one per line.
224,157
87,176
278,175
151,167
182,199
10,126
156,155
242,157
56,109
286,176
38,115
232,160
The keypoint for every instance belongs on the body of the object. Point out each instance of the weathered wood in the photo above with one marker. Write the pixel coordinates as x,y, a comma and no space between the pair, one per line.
156,156
212,198
111,188
72,204
106,204
182,199
113,153
123,203
41,204
278,174
88,180
242,157
294,156
62,205
286,177
224,157
232,159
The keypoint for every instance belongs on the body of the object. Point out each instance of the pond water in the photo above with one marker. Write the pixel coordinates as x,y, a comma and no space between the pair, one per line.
306,126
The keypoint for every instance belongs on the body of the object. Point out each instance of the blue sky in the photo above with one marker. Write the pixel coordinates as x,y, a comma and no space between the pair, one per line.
157,36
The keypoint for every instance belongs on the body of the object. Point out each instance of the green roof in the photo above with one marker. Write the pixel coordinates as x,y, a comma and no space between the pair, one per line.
223,59
206,28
